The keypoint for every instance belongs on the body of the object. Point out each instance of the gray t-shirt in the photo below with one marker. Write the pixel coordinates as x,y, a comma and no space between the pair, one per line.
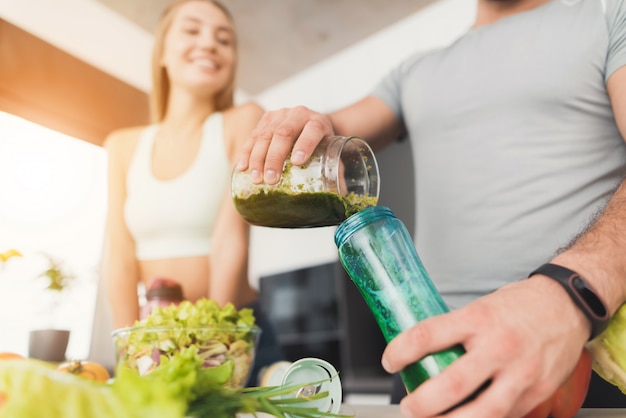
514,140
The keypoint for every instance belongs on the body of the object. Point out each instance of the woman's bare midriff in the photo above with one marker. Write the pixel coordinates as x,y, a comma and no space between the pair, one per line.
193,275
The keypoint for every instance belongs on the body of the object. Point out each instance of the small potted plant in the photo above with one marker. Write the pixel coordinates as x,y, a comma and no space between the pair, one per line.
50,342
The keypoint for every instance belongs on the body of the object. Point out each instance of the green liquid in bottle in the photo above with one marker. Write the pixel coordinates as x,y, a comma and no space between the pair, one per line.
395,311
378,254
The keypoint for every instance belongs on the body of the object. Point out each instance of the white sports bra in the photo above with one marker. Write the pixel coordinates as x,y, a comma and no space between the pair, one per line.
176,218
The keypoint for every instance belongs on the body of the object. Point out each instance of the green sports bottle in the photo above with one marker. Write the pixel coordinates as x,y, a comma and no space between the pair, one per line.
378,254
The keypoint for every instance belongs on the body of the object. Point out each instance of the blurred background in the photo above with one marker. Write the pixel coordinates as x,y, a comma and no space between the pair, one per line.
73,70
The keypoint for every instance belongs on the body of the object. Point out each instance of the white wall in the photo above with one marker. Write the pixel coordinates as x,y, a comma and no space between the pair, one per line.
336,82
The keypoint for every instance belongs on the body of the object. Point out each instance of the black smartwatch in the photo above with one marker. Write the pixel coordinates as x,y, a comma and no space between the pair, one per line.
581,293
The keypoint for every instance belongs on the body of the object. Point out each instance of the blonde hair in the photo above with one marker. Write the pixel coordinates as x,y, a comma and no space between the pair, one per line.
159,95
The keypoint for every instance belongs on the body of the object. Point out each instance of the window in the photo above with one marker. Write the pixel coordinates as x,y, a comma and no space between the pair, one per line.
52,203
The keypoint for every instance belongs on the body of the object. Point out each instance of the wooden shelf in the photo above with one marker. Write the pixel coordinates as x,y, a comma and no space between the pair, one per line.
48,86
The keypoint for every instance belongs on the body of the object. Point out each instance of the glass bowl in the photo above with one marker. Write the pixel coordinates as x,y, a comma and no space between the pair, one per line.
142,348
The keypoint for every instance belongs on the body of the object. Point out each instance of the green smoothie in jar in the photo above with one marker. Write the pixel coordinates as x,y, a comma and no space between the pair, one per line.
340,179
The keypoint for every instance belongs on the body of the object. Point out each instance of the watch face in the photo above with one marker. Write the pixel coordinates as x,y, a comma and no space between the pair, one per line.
592,301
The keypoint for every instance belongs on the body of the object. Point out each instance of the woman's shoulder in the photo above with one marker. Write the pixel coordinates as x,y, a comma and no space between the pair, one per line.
239,121
123,138
244,114
121,143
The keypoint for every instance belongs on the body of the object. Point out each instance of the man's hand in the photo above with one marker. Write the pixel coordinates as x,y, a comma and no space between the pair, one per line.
526,337
267,147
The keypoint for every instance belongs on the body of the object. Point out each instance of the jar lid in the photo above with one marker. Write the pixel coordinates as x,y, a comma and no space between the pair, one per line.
170,290
323,378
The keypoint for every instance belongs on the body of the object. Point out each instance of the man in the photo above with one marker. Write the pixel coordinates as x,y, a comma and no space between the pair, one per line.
517,135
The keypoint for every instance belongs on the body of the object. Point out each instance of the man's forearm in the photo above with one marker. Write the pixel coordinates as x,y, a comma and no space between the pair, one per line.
599,252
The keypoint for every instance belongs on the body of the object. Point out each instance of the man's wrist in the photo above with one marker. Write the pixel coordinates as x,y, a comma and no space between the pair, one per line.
581,293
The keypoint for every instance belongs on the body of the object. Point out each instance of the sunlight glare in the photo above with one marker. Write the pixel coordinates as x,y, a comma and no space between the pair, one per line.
52,201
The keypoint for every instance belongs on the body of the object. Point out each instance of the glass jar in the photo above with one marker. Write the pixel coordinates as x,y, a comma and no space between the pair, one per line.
340,178
378,254
161,292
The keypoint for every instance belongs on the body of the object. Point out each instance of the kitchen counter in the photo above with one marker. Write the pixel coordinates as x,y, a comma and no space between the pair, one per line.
393,411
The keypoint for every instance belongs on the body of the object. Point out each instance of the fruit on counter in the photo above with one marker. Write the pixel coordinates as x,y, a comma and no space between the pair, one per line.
608,351
8,355
85,369
569,397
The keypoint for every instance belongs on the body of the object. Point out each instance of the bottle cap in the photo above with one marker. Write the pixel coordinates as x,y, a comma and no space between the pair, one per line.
165,289
323,378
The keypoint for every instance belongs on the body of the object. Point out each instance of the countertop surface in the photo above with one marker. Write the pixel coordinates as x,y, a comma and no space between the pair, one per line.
393,411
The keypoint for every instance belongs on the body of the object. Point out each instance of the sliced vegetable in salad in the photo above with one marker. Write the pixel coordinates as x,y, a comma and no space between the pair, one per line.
223,337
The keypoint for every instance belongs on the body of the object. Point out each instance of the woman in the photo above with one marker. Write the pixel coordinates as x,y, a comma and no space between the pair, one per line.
170,214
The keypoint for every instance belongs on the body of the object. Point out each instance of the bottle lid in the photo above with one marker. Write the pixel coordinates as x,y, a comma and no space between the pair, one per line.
323,378
165,289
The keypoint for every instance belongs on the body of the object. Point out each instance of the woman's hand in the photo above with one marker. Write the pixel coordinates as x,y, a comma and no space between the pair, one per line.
267,147
526,337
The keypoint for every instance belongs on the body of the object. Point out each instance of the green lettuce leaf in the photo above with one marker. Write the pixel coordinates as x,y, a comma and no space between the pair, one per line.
33,389
608,351
180,376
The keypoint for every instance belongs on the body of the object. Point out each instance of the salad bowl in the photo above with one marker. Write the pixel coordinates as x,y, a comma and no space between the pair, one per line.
225,351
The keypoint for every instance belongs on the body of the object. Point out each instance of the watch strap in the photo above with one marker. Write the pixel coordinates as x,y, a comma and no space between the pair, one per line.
581,293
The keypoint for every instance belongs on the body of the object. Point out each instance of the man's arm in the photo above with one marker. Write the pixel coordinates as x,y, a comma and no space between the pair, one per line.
599,253
301,129
369,118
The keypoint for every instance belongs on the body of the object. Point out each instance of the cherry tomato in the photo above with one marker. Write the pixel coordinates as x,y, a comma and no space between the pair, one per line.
569,397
